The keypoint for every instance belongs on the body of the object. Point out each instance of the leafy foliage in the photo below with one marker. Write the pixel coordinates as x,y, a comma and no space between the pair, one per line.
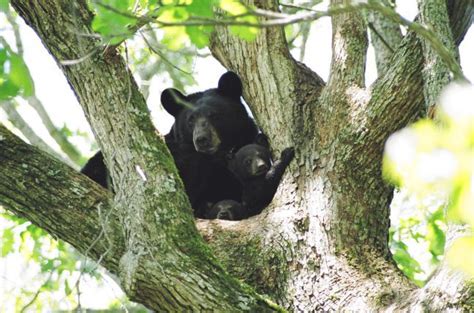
417,239
55,262
15,78
181,21
4,5
113,19
436,158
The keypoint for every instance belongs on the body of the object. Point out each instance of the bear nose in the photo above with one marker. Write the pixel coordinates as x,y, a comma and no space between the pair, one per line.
202,140
262,167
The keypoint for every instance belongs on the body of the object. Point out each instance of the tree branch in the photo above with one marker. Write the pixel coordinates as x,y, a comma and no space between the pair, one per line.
436,74
385,36
69,149
58,199
461,16
349,50
397,96
66,146
17,120
71,207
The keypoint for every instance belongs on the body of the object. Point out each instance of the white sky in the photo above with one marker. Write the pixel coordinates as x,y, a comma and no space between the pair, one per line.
60,102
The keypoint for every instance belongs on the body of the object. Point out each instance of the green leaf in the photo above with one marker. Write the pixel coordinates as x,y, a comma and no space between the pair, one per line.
20,75
437,239
233,7
67,288
248,33
8,239
199,35
15,77
4,5
460,255
202,8
114,19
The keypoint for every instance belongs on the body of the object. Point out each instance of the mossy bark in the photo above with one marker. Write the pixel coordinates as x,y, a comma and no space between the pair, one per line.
321,244
163,261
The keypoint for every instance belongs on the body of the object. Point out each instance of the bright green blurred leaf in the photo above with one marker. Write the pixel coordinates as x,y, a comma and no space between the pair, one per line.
67,288
15,78
437,239
8,241
461,255
234,7
20,76
4,5
199,35
405,261
436,158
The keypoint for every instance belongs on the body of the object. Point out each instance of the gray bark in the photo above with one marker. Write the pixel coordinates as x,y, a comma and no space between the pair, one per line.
321,244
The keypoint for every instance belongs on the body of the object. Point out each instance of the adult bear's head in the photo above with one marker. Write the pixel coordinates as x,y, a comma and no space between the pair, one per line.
213,120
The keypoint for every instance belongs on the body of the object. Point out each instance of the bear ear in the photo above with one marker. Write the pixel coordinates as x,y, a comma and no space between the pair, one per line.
173,101
230,85
262,140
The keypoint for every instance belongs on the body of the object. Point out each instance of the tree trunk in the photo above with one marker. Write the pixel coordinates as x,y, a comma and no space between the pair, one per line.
323,242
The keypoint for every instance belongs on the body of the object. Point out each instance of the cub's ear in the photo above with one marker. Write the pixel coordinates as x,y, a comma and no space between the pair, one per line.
262,140
230,85
173,101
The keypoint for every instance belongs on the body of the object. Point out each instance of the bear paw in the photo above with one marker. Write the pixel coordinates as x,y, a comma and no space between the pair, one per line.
288,154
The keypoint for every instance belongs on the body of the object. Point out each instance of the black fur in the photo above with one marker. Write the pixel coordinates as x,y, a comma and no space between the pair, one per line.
207,126
252,165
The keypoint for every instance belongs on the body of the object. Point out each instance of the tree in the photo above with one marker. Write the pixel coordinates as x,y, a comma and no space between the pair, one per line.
323,242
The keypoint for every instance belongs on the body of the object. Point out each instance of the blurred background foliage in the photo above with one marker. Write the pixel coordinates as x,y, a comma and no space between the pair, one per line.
435,158
51,275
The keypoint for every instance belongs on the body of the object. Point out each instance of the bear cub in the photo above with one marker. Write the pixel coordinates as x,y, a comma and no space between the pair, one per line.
252,166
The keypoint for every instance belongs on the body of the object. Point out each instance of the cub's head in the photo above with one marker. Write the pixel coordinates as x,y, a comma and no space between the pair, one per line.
253,160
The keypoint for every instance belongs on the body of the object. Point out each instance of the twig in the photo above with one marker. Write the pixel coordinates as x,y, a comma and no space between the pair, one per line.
162,56
37,293
374,30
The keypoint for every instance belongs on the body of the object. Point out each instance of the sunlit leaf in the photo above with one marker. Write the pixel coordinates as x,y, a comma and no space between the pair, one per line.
234,7
20,75
15,77
114,19
175,37
199,35
4,5
8,241
461,254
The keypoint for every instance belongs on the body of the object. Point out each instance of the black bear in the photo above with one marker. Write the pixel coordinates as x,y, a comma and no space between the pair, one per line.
226,210
252,165
207,126
95,169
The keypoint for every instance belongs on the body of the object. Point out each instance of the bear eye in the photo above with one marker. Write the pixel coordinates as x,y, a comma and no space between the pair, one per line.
248,161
